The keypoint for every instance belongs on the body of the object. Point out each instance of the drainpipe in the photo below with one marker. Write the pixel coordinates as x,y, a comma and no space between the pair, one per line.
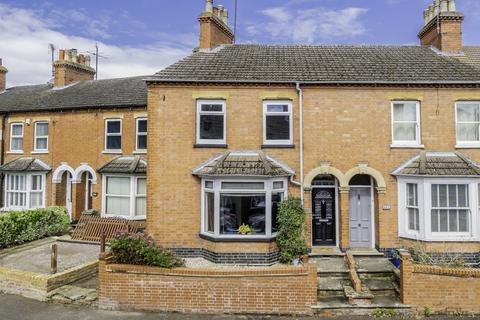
300,104
2,156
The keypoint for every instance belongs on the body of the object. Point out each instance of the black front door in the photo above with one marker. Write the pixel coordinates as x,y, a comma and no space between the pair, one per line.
323,216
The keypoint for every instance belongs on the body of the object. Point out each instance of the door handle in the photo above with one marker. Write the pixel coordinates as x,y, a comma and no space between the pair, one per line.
359,224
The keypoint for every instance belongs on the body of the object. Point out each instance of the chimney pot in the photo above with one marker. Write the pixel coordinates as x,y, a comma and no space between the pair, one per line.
452,7
209,6
436,8
3,77
444,6
61,55
225,16
220,12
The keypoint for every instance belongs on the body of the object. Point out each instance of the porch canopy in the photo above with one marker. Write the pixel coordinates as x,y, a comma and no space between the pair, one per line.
243,164
25,164
125,164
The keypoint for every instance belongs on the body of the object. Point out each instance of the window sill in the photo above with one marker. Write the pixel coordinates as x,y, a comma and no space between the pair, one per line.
140,152
237,239
278,146
112,151
467,146
217,146
129,218
449,238
407,146
15,152
39,152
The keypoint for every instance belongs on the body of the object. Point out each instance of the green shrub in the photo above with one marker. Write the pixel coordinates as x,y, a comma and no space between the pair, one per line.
290,237
17,227
140,249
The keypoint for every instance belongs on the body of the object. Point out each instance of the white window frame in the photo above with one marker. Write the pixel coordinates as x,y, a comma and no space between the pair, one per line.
200,113
17,137
217,191
407,206
461,143
137,134
132,195
28,191
424,186
36,137
266,113
113,135
417,143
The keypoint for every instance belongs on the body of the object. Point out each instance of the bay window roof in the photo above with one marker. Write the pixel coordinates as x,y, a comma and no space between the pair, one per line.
25,164
243,163
439,164
125,164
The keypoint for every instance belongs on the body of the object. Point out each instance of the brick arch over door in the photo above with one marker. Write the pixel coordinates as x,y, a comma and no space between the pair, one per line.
57,174
365,169
77,177
326,169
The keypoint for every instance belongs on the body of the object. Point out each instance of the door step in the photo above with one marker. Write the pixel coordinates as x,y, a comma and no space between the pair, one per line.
338,306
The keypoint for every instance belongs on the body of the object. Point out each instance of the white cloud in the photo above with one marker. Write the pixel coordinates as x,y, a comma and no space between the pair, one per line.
26,35
310,25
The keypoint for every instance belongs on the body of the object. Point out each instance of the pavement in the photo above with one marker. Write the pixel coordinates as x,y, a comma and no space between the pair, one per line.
19,308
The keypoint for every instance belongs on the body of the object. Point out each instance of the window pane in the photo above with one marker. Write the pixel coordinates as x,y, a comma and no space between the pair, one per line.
434,221
42,144
452,195
114,142
452,221
462,196
277,198
467,132
36,199
434,195
17,129
113,127
277,108
209,184
212,107
36,183
142,125
17,144
443,220
42,129
118,186
404,132
238,209
118,206
141,186
442,193
209,211
243,185
141,206
468,112
411,219
405,112
278,127
211,127
463,225
278,185
142,142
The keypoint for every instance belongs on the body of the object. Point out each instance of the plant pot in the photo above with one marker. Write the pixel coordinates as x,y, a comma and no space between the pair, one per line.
305,259
296,261
395,262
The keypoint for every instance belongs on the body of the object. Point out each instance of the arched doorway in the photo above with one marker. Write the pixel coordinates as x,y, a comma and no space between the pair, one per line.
62,178
324,210
361,211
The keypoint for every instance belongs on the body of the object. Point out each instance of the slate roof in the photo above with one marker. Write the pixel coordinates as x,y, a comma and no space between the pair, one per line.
243,163
121,92
125,164
319,64
472,56
439,164
25,165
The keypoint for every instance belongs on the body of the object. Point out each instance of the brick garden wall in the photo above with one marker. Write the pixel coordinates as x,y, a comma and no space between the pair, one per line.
276,290
443,290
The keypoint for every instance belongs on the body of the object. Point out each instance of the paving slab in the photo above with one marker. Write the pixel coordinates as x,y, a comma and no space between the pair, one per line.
374,264
37,259
331,265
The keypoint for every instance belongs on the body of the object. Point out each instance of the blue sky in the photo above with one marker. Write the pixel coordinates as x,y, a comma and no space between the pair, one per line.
143,36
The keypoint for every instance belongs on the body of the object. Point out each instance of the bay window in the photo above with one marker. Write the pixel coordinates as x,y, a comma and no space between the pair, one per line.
211,122
406,124
439,209
124,196
277,123
24,191
468,124
241,209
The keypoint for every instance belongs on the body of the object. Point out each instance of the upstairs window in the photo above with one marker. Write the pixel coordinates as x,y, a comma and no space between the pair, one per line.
406,123
141,134
16,137
41,136
211,122
468,123
277,123
113,134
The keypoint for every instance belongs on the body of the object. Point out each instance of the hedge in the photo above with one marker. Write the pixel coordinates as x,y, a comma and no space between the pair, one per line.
17,227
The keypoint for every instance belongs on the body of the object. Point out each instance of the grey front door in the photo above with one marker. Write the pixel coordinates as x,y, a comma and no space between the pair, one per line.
360,208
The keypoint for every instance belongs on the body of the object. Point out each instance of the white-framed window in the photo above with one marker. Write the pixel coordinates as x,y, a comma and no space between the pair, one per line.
467,116
24,191
124,196
227,204
141,134
113,134
277,123
211,122
406,124
16,137
439,209
41,136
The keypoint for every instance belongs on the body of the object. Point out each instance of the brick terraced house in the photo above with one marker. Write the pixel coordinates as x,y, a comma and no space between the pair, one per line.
381,143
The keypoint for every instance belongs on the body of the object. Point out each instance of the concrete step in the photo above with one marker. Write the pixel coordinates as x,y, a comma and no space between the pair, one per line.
381,286
331,286
330,266
336,306
378,265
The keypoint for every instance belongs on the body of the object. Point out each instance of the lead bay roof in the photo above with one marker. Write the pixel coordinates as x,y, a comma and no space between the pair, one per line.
320,64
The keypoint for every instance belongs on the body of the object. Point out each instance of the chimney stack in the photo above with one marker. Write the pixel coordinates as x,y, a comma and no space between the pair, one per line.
442,27
214,29
72,67
3,77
